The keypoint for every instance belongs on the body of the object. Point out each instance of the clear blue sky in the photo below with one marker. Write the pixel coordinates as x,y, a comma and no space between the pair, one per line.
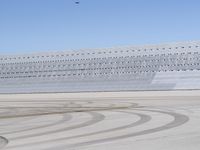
42,25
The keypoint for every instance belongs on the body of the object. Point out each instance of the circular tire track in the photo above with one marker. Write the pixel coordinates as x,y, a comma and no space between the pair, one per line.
3,142
179,119
96,117
66,118
143,119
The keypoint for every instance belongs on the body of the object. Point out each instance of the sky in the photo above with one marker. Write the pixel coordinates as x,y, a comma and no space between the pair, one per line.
53,25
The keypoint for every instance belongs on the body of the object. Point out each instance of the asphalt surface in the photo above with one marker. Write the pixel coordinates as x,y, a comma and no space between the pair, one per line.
167,120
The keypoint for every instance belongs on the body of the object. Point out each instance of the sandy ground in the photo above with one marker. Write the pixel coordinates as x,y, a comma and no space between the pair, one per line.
158,120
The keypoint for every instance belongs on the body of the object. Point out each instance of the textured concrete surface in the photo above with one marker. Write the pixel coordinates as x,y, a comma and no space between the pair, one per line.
101,121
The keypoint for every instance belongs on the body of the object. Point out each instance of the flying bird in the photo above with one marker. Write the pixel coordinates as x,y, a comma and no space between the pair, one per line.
77,2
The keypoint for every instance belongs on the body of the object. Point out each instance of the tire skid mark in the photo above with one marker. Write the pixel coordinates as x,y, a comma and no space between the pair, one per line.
3,142
66,117
66,104
179,119
96,117
143,119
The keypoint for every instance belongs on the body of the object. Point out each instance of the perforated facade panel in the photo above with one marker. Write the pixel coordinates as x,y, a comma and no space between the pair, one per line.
159,67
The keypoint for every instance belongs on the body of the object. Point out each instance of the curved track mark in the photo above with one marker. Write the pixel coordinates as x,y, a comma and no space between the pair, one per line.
143,119
179,119
3,142
66,117
96,117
